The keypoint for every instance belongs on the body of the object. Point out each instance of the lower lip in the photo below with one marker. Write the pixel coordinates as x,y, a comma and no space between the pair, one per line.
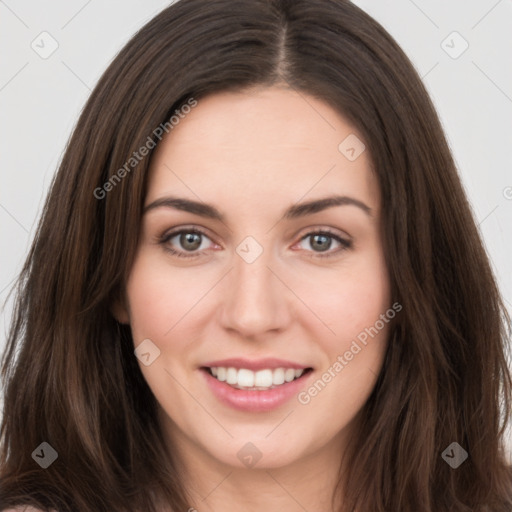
255,401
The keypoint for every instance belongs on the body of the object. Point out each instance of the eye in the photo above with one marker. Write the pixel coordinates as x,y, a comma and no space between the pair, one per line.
320,243
191,242
185,243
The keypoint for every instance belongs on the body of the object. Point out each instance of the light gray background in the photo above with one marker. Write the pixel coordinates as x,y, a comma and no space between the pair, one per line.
40,100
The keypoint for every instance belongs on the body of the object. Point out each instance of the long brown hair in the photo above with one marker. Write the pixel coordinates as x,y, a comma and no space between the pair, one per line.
69,371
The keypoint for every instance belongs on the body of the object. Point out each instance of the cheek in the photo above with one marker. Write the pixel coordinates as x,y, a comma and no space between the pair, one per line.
348,301
162,298
356,310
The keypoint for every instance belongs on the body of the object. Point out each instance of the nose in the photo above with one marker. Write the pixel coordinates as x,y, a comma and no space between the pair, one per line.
255,300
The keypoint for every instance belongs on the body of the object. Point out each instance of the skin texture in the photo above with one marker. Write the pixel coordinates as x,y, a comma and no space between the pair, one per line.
253,154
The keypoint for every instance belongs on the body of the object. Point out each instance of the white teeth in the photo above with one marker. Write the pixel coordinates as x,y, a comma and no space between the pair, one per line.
262,379
278,377
245,378
289,374
231,376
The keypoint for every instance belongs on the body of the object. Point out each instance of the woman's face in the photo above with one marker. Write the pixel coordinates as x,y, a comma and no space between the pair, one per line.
246,271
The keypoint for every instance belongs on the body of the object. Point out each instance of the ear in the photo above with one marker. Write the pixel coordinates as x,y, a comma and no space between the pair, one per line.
120,313
119,309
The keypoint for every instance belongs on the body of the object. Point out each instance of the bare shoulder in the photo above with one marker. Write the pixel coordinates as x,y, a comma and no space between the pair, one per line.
22,508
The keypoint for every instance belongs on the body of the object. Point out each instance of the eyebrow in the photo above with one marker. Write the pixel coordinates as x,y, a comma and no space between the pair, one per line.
293,212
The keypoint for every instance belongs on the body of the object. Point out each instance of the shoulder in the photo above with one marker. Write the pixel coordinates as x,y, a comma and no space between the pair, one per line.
22,508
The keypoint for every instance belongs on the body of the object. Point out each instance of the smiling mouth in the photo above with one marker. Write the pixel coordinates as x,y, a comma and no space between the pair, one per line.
261,380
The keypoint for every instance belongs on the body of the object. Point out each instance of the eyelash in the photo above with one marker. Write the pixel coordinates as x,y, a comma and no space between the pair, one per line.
345,244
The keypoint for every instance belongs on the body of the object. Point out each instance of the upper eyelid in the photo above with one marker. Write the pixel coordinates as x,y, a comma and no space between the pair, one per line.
319,229
187,229
305,232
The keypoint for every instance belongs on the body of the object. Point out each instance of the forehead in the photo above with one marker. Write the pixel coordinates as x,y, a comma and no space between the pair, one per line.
259,142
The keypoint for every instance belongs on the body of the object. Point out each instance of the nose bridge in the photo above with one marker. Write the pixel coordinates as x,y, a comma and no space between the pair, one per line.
255,301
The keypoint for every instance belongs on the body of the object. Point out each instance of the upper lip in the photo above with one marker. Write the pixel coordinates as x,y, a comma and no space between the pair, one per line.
255,364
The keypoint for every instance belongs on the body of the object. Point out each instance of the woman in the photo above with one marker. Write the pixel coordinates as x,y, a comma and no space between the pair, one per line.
257,284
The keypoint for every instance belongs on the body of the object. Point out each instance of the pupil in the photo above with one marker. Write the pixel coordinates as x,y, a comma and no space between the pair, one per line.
190,241
321,242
